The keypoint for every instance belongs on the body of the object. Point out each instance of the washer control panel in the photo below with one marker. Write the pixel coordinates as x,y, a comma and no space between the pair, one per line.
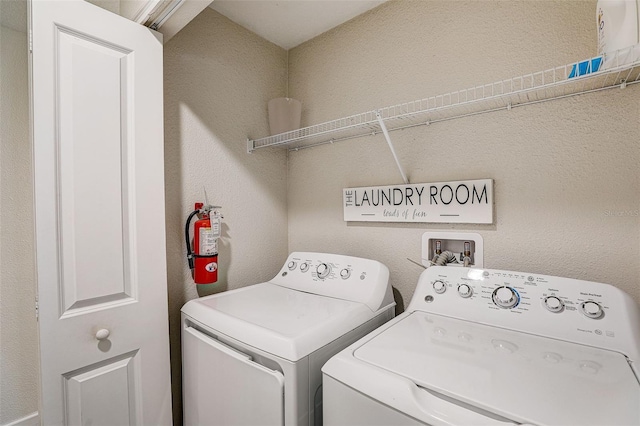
579,311
344,277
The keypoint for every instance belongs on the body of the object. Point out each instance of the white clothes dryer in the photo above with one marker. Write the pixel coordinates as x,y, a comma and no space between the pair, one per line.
488,347
252,356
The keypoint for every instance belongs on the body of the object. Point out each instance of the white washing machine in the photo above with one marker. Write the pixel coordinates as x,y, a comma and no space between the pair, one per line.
252,356
488,347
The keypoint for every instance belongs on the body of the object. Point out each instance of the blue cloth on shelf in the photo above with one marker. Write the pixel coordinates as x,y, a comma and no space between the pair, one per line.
586,67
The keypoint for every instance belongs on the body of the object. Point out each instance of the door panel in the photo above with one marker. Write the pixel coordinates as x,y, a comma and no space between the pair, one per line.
89,401
224,387
93,93
96,88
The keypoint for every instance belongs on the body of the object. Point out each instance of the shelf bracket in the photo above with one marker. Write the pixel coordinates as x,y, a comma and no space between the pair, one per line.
250,146
383,127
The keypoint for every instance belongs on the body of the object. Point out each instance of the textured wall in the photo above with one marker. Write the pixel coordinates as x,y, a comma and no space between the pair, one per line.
18,332
218,80
566,172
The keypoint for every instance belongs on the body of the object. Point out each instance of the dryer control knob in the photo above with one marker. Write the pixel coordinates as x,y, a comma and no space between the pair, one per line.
591,309
292,265
505,297
553,304
465,291
439,287
323,270
345,273
304,267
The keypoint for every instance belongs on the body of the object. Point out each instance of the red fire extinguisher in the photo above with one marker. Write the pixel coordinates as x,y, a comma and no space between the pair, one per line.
202,255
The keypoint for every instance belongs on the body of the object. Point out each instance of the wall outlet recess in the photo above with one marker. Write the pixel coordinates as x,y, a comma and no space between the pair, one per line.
453,242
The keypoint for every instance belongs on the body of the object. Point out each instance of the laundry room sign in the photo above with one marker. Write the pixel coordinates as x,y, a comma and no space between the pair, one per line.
468,201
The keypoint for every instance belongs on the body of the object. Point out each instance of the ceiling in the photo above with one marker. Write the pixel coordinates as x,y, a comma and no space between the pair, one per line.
289,23
286,23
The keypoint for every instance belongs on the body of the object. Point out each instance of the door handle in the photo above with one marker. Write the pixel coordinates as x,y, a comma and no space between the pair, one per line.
449,408
240,356
103,334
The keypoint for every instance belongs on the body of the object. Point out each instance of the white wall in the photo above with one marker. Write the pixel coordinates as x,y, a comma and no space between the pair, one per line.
18,333
218,80
563,170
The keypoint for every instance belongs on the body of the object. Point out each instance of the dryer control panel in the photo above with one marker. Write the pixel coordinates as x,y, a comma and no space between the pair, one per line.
578,311
342,277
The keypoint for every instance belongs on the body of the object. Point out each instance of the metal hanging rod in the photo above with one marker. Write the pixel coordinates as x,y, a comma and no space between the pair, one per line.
393,151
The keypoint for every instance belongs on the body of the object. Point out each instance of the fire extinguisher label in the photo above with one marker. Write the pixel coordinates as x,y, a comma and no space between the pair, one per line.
215,226
208,242
211,267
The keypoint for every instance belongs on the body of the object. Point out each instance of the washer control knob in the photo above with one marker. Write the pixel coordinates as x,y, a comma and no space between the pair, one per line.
323,270
345,273
439,286
292,265
553,304
591,309
304,267
465,291
505,297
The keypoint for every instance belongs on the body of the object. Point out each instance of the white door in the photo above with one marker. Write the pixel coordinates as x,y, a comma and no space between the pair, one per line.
96,81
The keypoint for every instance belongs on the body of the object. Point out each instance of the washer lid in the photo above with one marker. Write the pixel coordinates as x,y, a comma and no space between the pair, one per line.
284,322
522,377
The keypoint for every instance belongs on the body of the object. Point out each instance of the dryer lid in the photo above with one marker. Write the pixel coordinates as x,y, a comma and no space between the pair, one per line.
522,377
284,322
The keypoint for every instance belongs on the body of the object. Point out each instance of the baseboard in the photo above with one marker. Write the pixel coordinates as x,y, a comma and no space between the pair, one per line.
32,419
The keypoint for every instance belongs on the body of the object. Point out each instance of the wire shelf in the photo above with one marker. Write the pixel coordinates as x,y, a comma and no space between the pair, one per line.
618,69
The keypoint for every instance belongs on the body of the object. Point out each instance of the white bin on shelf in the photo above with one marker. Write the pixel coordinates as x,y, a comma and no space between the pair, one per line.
284,115
618,24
